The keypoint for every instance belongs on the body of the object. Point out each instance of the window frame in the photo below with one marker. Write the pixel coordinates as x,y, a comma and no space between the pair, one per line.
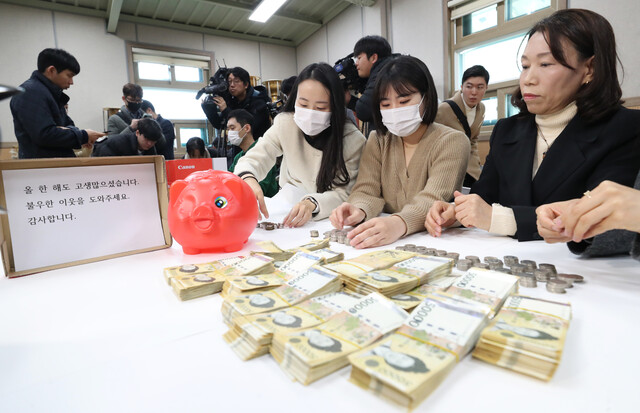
456,42
173,84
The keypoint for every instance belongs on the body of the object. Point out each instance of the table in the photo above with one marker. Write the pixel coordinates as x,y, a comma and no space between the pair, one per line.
111,336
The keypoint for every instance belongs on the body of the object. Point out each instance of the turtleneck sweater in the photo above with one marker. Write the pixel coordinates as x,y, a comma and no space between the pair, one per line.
470,111
503,221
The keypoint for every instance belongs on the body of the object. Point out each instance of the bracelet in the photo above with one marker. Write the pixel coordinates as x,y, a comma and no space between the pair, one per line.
246,174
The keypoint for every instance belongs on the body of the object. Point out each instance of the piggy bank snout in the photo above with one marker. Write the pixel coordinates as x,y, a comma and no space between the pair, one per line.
203,217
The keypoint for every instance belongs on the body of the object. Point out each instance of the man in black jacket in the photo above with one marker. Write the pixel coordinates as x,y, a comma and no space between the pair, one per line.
370,53
43,128
131,142
131,110
243,96
164,146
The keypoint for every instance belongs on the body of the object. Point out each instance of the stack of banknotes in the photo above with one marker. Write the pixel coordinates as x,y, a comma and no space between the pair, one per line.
372,261
200,284
409,364
190,269
526,336
270,249
250,336
314,282
297,265
411,299
399,278
312,353
484,286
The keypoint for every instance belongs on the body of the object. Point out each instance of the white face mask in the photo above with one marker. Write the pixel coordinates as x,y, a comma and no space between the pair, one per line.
234,137
310,121
402,121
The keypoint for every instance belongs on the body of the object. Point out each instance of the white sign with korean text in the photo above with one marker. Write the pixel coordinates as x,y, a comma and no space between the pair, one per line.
60,215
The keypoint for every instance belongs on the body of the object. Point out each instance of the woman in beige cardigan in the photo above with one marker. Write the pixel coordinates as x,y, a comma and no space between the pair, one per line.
408,163
320,150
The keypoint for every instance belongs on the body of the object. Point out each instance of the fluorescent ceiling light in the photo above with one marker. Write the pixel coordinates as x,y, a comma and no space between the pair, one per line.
265,10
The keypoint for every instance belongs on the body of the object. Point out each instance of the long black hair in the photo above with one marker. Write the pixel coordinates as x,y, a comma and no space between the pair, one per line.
333,171
591,35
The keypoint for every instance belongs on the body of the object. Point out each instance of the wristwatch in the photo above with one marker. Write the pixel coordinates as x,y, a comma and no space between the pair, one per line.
317,207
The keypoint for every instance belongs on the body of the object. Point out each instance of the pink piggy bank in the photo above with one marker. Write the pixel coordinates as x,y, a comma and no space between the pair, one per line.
212,211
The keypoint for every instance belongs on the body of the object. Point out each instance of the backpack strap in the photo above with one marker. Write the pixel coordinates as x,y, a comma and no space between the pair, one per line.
125,117
461,117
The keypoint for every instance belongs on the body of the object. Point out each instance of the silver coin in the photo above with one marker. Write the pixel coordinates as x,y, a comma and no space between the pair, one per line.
527,280
430,251
542,275
481,265
548,267
557,286
473,258
529,263
573,278
490,258
441,253
314,233
503,270
494,265
464,265
518,268
509,260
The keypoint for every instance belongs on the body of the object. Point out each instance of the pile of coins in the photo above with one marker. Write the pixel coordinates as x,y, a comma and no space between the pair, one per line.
269,226
529,271
338,235
557,286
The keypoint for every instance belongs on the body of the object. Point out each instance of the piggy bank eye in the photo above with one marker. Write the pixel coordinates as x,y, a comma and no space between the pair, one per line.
221,202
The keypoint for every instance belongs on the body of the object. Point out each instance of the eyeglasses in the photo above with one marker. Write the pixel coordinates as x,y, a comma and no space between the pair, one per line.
236,81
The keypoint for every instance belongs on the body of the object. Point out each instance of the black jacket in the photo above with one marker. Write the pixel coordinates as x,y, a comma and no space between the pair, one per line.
580,158
123,144
165,146
364,105
254,103
617,241
39,117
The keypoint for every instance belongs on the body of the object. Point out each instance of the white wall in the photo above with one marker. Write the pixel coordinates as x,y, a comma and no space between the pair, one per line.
103,57
312,50
416,29
412,27
623,18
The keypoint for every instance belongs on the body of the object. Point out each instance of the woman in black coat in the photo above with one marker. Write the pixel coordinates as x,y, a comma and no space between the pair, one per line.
571,134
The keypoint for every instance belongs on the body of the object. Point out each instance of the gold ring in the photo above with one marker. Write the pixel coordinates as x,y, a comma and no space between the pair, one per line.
588,194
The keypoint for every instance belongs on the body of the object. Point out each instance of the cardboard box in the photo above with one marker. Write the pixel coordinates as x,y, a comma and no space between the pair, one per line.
70,211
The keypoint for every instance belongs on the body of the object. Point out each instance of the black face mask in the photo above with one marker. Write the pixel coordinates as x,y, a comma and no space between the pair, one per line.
133,106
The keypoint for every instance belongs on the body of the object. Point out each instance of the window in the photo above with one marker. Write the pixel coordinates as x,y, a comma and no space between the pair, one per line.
480,20
490,33
170,79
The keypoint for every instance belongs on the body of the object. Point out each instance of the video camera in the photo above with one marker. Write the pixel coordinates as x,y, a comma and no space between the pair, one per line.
275,107
217,85
348,73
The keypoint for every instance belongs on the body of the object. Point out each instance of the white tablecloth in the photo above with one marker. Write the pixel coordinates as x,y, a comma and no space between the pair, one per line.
111,336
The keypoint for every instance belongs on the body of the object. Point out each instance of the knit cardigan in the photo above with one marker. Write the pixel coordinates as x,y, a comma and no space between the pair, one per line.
301,161
435,171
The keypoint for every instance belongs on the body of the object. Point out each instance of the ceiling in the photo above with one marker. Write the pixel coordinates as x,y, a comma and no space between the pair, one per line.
291,25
